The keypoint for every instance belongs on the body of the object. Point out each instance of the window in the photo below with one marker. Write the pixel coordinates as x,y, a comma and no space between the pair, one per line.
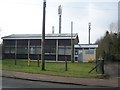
26,50
89,52
53,50
12,50
50,49
64,50
67,51
61,51
32,50
38,50
7,49
22,50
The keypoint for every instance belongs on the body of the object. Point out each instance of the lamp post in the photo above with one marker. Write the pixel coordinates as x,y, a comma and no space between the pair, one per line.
89,24
72,44
60,14
43,37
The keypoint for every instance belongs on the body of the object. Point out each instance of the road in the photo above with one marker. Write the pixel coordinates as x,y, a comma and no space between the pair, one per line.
19,83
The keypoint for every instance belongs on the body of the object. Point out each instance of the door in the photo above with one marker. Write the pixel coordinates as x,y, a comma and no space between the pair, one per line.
80,56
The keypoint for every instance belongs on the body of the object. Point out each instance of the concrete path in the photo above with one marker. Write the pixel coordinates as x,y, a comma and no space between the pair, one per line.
112,82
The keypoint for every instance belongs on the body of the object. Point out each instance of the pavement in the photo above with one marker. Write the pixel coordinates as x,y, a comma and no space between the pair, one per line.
111,82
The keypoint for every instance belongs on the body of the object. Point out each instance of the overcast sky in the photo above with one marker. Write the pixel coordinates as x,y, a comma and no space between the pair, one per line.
25,17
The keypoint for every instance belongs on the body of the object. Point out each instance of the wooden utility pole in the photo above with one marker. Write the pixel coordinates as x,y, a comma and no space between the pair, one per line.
57,50
15,52
28,52
43,37
72,44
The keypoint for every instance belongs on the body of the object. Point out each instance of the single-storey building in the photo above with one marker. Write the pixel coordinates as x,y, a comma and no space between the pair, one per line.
85,52
57,46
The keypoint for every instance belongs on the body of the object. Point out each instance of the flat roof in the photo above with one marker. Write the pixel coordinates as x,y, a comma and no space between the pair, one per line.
86,46
39,36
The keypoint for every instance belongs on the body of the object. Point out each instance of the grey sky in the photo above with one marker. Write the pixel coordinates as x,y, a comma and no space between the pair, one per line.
25,17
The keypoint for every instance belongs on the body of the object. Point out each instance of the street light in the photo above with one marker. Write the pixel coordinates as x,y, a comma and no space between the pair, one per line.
60,14
89,24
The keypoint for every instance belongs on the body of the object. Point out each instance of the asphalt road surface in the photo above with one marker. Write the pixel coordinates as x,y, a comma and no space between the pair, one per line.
19,83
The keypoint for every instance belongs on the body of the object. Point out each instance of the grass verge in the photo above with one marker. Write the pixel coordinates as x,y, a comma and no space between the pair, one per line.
0,64
79,70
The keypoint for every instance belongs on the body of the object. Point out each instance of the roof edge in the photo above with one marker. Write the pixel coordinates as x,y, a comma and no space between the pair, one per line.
38,36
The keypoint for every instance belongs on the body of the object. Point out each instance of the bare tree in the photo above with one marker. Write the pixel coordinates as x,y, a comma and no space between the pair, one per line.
113,27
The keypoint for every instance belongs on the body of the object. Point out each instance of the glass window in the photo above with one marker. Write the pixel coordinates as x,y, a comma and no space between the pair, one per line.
19,50
7,49
38,50
47,49
89,52
22,50
64,50
32,50
26,50
61,51
50,49
67,51
53,50
12,50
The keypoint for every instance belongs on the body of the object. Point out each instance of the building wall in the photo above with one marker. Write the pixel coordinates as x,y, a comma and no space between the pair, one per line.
64,49
89,55
85,54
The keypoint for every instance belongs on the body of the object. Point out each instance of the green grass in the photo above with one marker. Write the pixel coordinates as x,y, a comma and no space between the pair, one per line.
52,68
0,64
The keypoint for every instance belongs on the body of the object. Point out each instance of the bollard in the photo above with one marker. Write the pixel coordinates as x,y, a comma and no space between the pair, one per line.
65,63
38,61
